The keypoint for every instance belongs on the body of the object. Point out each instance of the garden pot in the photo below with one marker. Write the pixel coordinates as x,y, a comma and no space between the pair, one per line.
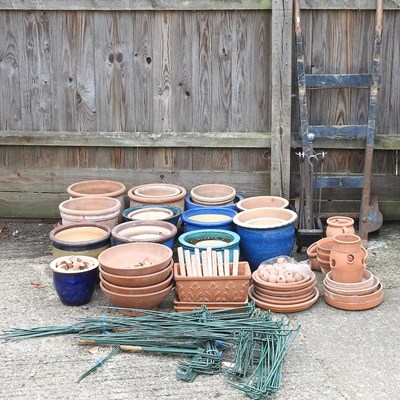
189,204
347,258
144,231
339,226
312,256
144,213
82,239
265,233
99,187
208,218
212,194
75,288
262,201
105,210
158,193
324,247
216,239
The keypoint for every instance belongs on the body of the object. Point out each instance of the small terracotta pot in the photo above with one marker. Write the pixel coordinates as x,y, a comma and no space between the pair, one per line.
339,226
347,258
324,247
158,193
312,256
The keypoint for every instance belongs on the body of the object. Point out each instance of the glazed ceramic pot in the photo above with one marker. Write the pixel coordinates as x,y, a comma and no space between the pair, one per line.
158,194
75,288
265,233
99,187
347,258
216,239
189,204
154,213
208,218
339,226
212,194
144,231
82,239
105,210
262,201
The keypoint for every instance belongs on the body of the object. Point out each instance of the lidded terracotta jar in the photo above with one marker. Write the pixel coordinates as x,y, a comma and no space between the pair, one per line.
347,258
339,226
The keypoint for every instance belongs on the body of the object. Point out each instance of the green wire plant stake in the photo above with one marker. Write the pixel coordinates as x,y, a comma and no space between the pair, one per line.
246,344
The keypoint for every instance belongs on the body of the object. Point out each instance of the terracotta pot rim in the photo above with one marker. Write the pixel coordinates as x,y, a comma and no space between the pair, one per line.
312,250
113,206
73,189
135,296
345,221
355,291
267,212
156,199
240,204
355,299
346,238
53,265
321,243
227,196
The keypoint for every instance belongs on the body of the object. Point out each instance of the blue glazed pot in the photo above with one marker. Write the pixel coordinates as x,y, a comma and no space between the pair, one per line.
173,219
144,231
191,240
189,205
207,214
75,288
265,233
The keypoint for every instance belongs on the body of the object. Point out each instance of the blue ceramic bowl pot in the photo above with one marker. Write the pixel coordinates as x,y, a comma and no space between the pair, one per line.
173,219
209,213
265,233
192,239
75,288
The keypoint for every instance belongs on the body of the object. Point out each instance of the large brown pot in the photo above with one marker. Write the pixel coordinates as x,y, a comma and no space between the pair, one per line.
339,226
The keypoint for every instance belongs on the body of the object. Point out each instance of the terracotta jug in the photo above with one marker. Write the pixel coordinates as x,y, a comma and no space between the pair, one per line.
339,226
347,258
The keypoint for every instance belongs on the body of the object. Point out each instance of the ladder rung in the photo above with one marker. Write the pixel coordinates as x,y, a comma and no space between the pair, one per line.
329,81
339,181
339,131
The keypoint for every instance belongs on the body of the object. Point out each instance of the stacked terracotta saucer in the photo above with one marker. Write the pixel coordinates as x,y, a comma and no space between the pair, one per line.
362,295
288,292
136,275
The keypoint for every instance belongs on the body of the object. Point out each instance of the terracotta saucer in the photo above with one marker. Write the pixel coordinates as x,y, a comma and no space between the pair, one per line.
355,292
282,287
353,298
350,306
288,293
289,308
367,280
283,300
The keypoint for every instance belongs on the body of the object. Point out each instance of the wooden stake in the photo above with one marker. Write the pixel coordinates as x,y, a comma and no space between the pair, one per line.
190,272
181,259
226,262
220,264
235,269
209,261
198,262
204,263
214,263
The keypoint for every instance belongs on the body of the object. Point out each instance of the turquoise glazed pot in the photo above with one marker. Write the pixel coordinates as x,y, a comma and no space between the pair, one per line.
75,288
208,218
265,233
173,219
216,239
189,204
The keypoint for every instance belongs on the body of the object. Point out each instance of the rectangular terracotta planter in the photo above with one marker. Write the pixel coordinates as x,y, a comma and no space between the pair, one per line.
205,289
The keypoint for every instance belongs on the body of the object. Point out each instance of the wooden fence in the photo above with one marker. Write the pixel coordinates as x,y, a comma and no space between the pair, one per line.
185,92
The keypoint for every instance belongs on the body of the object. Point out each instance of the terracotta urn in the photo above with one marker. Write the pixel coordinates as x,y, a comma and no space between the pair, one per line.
347,258
339,226
157,193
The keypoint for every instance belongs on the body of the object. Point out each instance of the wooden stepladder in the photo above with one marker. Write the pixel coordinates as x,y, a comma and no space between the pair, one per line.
370,218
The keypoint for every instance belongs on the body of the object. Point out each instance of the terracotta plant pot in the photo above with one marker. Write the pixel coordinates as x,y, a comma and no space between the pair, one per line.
101,209
207,289
137,280
347,258
212,194
262,201
339,225
99,187
324,247
312,256
148,301
83,239
144,231
158,193
189,204
135,258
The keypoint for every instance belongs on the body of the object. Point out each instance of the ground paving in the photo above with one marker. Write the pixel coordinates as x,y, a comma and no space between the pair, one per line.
337,354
